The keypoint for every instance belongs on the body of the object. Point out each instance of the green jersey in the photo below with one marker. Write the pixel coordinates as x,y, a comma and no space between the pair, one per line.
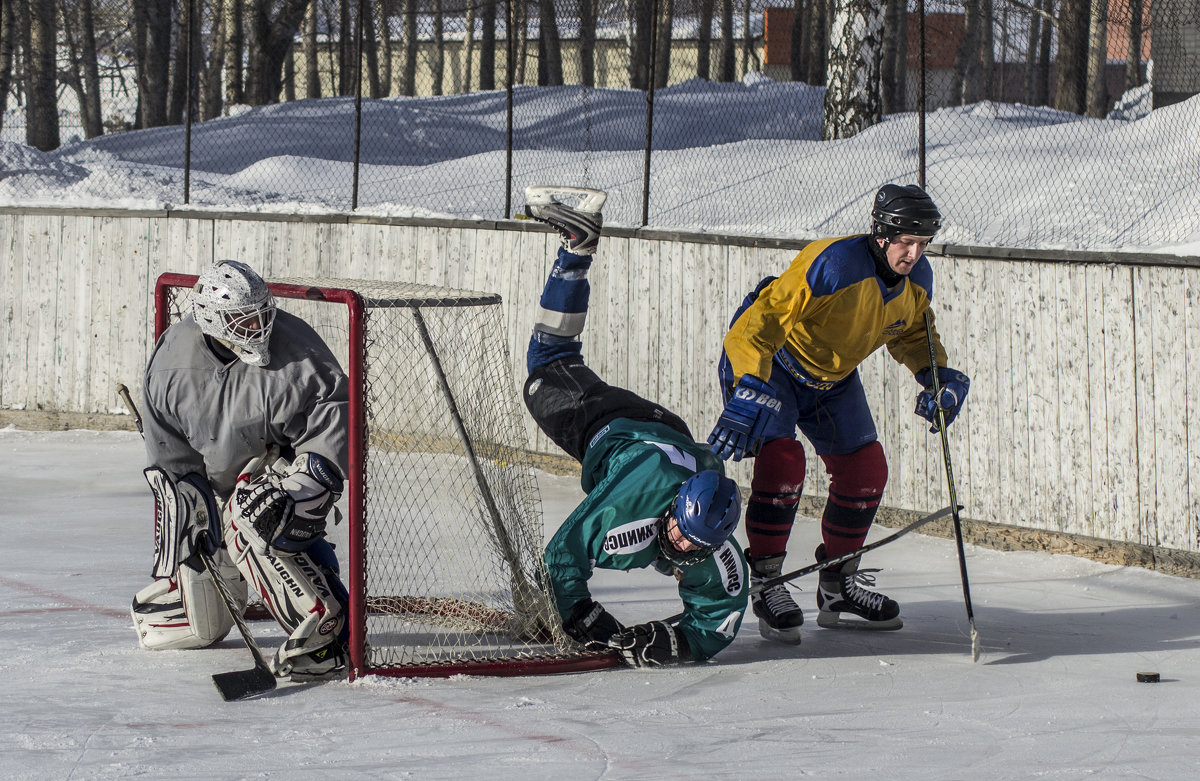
632,471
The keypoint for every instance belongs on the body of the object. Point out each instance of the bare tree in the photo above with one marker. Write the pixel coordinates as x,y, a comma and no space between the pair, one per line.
487,44
370,42
550,64
39,39
1042,84
638,36
1133,60
704,44
408,71
437,67
152,53
345,49
587,42
312,66
1097,61
965,87
210,74
235,85
270,44
8,28
1071,64
893,71
83,73
726,66
816,40
468,47
662,51
852,101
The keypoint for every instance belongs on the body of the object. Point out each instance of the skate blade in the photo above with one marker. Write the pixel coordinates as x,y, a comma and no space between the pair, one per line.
828,620
785,636
544,194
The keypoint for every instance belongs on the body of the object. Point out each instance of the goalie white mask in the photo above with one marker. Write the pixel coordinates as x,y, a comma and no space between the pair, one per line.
232,304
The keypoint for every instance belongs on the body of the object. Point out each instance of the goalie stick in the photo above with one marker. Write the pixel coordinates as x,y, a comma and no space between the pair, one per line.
237,684
841,558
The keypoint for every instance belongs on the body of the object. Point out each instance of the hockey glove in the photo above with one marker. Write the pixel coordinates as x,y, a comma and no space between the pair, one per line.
287,512
592,625
739,430
951,395
652,644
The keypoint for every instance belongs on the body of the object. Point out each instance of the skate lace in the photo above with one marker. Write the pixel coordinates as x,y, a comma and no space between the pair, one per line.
855,592
778,599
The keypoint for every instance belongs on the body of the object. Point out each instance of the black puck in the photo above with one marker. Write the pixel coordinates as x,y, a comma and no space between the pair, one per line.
1147,677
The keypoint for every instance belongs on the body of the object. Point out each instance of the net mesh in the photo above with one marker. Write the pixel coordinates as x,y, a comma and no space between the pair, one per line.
450,558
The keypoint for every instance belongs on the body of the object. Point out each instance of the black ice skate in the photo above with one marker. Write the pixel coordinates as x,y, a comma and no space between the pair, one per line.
779,617
841,591
578,225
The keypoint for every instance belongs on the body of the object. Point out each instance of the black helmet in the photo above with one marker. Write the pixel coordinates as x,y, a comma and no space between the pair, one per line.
904,209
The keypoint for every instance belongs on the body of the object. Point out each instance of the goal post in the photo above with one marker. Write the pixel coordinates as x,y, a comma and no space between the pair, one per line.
443,530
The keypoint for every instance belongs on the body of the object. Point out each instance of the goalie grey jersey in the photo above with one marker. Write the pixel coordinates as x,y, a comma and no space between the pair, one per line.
211,417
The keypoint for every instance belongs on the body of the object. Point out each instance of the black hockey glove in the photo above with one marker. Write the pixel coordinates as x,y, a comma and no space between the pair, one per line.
270,521
592,625
652,644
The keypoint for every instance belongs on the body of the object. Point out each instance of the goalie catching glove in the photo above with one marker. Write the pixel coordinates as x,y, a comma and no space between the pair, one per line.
281,514
651,645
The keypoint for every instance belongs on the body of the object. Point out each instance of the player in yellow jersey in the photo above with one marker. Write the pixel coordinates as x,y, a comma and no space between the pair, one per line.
791,362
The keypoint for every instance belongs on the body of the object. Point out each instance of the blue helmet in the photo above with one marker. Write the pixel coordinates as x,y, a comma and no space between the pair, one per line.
707,509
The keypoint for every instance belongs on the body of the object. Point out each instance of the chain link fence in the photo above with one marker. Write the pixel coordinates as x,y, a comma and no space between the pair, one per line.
609,94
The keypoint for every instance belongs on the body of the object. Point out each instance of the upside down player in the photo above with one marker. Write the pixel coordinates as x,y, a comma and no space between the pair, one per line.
655,497
791,361
234,381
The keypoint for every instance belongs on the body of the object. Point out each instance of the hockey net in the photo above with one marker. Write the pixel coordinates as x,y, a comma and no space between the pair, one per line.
442,538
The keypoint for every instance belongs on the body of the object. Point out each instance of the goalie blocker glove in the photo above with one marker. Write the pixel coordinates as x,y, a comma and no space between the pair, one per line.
952,392
651,645
740,429
284,514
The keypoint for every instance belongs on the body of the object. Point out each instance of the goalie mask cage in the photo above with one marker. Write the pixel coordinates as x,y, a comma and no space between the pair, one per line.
443,525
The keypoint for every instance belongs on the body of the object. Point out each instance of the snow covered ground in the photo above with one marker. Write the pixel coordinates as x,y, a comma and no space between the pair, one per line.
1053,696
743,158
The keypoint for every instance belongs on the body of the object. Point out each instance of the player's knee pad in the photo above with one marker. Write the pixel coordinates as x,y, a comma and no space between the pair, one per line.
186,610
779,469
862,474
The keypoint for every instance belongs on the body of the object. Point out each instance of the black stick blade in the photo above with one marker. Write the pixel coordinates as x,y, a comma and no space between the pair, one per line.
240,684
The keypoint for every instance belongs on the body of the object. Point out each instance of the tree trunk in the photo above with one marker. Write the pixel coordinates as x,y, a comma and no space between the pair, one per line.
855,47
153,29
345,49
437,68
408,74
83,75
550,69
487,45
1070,93
587,43
727,67
662,54
370,42
895,49
985,85
8,44
1098,102
312,69
816,41
641,22
235,85
41,77
270,44
1133,59
966,60
1042,97
468,48
704,44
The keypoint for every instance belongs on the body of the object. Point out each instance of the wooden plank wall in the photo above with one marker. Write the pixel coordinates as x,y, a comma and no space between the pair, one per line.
1084,416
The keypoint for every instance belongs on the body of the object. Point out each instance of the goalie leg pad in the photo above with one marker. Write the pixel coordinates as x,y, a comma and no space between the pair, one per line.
185,611
305,595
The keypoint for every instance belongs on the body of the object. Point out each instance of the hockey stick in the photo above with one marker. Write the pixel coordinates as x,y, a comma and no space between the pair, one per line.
958,536
841,558
237,684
